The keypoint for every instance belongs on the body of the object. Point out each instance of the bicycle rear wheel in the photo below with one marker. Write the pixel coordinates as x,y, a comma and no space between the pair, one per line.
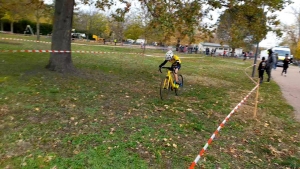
165,88
178,91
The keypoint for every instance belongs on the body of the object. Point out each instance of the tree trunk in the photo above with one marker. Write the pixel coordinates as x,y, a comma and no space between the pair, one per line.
12,27
37,25
2,28
178,45
232,52
61,37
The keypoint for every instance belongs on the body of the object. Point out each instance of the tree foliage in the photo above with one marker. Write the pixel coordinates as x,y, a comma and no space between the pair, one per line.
170,16
247,21
91,22
12,10
133,31
239,25
297,52
292,37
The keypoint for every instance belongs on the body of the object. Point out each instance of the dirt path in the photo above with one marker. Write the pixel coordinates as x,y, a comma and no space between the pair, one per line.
290,86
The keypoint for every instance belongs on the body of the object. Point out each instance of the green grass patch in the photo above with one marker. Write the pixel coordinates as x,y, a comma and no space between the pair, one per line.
109,114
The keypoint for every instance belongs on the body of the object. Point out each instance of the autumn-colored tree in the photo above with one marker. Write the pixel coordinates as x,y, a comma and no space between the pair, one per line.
296,13
239,26
90,21
2,13
171,16
292,36
297,52
13,11
61,37
247,21
133,31
38,9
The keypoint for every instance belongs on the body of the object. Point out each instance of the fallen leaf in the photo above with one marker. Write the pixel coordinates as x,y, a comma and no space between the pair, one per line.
248,151
266,125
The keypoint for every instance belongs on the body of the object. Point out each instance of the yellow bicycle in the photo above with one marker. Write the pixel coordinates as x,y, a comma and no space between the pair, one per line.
167,84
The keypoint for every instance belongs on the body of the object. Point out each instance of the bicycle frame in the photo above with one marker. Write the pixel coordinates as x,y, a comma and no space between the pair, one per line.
169,80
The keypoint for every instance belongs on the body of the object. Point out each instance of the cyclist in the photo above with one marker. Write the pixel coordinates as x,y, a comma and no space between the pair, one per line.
176,64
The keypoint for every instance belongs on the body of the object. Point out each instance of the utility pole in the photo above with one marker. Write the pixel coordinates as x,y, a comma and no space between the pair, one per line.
255,59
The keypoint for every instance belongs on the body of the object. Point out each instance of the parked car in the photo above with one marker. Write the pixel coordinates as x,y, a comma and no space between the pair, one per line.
129,41
139,41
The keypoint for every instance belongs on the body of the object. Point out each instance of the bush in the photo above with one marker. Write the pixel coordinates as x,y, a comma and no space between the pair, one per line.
20,26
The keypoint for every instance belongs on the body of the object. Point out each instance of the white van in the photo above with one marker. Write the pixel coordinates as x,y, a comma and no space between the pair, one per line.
282,51
139,41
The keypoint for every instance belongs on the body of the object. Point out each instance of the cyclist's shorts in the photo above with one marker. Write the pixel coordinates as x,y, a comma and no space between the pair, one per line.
176,66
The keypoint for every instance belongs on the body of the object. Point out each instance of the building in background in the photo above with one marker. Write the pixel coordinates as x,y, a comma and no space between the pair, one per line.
218,49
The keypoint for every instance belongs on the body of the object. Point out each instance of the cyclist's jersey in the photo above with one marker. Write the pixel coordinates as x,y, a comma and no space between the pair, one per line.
175,61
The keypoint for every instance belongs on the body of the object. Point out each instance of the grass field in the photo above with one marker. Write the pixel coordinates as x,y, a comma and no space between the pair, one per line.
109,114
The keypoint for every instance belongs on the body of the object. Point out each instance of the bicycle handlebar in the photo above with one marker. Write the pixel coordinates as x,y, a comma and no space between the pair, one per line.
169,68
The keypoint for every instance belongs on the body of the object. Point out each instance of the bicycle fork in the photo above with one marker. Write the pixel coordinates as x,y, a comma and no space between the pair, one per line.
166,83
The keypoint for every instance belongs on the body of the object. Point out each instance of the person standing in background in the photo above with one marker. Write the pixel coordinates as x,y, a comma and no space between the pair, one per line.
275,61
286,63
261,69
244,55
270,63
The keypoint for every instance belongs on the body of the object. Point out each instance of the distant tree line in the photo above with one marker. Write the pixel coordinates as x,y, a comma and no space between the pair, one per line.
20,26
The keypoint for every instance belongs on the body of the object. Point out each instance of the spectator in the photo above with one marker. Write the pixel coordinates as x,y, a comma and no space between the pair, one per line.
190,49
224,53
244,55
286,62
196,49
215,51
185,50
275,61
261,69
181,48
115,42
142,44
207,51
270,63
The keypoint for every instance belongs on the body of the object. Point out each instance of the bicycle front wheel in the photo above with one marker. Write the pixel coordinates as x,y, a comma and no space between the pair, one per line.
165,88
178,91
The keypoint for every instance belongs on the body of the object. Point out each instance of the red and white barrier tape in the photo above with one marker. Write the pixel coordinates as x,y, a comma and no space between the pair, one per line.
218,129
26,40
60,51
249,75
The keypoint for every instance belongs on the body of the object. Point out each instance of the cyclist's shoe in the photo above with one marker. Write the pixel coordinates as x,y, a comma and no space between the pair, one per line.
179,84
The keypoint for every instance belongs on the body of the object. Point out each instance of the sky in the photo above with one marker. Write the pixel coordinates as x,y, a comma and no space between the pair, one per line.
285,16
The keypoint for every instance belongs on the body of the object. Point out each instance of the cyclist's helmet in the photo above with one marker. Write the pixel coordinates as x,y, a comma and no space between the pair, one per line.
169,55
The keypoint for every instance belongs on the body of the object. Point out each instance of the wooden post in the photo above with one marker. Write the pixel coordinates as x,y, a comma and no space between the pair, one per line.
256,99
